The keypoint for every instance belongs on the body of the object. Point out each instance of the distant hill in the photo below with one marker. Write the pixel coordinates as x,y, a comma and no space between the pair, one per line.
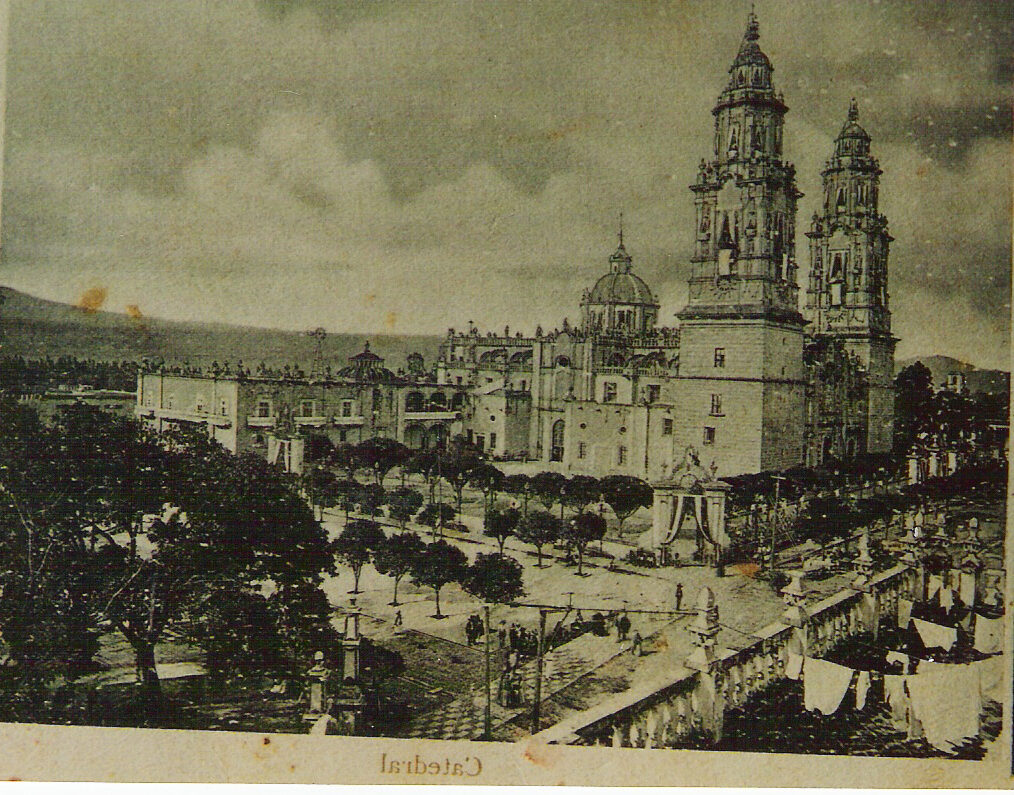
36,328
991,381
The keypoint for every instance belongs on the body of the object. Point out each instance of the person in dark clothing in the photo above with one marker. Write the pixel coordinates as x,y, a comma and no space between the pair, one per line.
679,595
622,627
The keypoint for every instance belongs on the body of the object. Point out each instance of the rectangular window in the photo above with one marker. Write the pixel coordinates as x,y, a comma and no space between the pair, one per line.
343,435
709,435
719,357
223,407
470,436
667,427
346,408
582,449
306,408
716,405
609,392
199,404
621,455
492,441
458,379
263,408
654,392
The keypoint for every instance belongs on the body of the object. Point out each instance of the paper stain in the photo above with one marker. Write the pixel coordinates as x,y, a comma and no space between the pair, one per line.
92,299
133,312
746,569
542,755
390,319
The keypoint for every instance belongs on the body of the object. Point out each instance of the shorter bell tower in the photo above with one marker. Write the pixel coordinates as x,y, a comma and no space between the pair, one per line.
847,296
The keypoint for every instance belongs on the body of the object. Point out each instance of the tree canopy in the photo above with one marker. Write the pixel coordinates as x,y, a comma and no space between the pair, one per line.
494,578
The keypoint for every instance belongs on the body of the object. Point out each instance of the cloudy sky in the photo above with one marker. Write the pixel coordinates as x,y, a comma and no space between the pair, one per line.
401,166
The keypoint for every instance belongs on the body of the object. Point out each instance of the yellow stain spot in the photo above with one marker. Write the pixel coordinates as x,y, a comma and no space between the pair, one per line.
747,569
92,299
134,312
390,319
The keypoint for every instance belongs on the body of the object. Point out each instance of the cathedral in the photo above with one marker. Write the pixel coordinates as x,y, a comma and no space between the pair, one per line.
747,379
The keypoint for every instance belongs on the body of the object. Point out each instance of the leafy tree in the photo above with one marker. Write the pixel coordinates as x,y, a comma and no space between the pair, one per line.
912,398
396,556
547,488
426,464
319,449
501,523
345,459
320,485
581,531
519,486
579,491
370,497
356,545
456,465
539,528
403,503
345,493
487,479
625,494
381,455
436,513
494,578
437,565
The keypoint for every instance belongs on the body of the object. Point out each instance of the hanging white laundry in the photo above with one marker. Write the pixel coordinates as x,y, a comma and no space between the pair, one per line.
946,599
898,657
897,698
935,636
904,613
988,635
824,685
967,589
991,678
934,584
862,688
794,666
945,699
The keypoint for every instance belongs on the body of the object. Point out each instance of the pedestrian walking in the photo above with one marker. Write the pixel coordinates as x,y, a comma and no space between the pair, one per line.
636,642
397,619
679,595
501,632
622,627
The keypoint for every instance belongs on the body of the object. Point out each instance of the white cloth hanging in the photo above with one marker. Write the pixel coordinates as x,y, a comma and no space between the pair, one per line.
898,657
945,699
988,635
946,599
904,612
934,584
935,636
862,688
897,699
824,685
794,666
991,678
966,589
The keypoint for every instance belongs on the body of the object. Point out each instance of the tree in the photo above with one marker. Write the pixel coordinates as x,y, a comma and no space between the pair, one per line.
547,488
320,485
437,565
580,490
381,455
913,394
494,578
501,523
356,545
487,479
396,556
426,464
344,458
370,497
436,513
539,528
403,503
456,465
581,531
519,486
625,494
345,493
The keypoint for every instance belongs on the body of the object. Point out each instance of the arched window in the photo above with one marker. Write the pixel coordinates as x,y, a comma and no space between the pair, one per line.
556,448
438,400
458,400
414,401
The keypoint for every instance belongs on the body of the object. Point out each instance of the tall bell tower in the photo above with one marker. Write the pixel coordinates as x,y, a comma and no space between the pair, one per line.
741,333
847,295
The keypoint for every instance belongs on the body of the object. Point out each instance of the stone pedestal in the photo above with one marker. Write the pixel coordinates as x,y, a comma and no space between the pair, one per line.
709,696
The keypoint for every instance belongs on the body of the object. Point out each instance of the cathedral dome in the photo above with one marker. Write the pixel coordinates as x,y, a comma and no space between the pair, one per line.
853,139
620,288
750,53
620,285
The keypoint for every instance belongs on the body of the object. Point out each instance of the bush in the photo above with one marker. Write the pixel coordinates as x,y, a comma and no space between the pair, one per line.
430,513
